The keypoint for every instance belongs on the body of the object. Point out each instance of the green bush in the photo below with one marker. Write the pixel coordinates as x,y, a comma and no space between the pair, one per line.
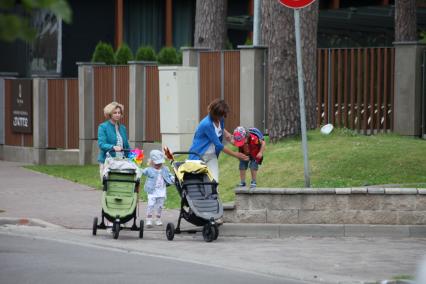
145,53
179,57
249,41
103,53
228,45
123,54
167,55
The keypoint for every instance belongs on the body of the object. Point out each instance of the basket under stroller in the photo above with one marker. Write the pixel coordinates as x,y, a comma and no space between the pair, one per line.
200,205
119,197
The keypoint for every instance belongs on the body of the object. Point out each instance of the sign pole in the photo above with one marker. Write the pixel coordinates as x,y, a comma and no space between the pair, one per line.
301,96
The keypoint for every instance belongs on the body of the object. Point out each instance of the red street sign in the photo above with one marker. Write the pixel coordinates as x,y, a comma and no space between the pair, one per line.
296,4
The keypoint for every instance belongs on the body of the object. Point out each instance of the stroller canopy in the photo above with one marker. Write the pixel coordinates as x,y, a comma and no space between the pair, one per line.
193,167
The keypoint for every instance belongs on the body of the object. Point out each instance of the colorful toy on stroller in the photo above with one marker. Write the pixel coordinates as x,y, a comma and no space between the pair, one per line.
121,180
200,205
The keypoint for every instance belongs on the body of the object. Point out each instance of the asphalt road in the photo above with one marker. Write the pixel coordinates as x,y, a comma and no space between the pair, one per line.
31,260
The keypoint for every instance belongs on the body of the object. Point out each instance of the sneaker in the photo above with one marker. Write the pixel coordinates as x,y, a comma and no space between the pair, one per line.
158,222
242,184
253,184
149,223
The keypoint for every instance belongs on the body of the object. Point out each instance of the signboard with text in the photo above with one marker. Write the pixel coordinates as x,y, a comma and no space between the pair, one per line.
22,105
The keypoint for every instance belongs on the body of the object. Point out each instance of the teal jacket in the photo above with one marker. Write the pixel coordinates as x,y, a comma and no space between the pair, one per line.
107,138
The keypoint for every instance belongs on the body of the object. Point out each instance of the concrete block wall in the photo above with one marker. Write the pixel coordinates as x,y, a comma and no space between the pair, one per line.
388,206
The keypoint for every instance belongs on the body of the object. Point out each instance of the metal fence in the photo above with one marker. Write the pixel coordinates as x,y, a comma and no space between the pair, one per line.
355,88
219,77
62,113
152,104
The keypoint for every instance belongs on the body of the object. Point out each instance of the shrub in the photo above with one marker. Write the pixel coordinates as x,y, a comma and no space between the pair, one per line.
145,53
228,45
179,57
103,53
249,41
167,55
123,54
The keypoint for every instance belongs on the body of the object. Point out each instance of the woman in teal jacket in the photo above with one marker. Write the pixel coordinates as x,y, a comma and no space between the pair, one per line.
112,135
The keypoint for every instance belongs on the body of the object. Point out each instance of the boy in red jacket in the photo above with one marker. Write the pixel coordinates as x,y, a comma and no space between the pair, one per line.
251,143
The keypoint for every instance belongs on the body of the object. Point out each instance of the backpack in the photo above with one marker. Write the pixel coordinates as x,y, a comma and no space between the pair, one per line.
256,132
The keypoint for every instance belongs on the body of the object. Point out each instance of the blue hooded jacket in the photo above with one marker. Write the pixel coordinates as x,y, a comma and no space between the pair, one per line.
205,134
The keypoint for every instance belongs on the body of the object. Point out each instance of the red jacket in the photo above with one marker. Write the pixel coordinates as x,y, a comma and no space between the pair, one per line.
252,147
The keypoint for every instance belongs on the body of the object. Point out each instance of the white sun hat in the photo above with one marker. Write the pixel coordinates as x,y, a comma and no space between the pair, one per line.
326,129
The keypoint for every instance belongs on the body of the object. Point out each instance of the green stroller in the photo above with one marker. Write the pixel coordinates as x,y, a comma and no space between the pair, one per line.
119,197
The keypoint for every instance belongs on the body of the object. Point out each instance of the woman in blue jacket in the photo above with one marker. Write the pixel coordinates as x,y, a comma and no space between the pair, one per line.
208,137
112,135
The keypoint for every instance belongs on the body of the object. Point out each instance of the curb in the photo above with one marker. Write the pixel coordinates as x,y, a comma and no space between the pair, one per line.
27,222
280,231
277,231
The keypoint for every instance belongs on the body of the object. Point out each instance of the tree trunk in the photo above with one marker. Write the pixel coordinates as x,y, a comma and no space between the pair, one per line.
210,24
278,34
405,20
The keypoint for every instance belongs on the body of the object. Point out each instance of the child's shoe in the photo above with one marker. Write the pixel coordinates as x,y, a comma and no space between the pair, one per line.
253,184
149,222
242,184
158,222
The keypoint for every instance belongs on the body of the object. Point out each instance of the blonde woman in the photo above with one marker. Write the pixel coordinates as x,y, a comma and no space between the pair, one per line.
112,135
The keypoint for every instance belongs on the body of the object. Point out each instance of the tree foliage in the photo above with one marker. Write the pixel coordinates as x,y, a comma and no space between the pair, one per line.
15,17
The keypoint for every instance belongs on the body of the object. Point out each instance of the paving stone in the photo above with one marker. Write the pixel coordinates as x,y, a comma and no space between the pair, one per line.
365,202
282,216
359,190
343,190
375,190
412,217
371,231
250,216
320,217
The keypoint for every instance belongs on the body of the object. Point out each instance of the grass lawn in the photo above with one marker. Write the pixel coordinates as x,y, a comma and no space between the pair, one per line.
341,159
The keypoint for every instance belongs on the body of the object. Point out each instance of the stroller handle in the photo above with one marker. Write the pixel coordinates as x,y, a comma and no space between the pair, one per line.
188,153
122,150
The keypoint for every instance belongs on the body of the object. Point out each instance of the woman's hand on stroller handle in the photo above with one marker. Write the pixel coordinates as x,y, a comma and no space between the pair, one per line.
117,148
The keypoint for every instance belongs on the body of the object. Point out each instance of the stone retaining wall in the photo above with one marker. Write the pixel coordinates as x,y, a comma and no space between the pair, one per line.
391,206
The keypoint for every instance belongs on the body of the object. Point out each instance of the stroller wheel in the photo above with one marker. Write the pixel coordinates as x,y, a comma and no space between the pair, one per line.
141,223
95,226
209,233
170,231
116,230
216,235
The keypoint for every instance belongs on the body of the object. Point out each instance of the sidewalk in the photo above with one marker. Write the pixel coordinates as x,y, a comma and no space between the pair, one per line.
322,253
28,194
